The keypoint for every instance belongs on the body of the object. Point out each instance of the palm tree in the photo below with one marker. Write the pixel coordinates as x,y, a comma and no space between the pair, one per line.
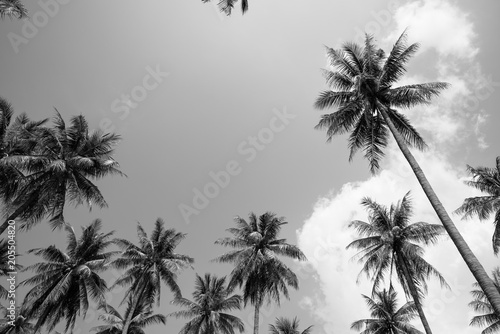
6,265
285,326
226,6
66,281
150,263
142,317
12,8
58,170
386,318
366,101
211,300
481,304
257,266
16,138
486,180
387,244
22,325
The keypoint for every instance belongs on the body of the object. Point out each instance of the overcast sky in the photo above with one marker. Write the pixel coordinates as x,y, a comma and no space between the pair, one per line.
194,93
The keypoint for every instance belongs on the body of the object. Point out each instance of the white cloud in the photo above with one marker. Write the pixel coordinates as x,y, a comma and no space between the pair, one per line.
325,235
442,25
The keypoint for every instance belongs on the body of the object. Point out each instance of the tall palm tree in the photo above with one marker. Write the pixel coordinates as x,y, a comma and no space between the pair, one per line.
60,169
22,325
148,264
256,259
142,317
211,300
287,326
387,245
66,282
386,318
481,304
226,6
486,180
362,90
12,8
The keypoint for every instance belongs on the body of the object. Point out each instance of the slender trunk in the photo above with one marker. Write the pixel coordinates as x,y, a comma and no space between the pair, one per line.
470,259
135,298
256,316
414,294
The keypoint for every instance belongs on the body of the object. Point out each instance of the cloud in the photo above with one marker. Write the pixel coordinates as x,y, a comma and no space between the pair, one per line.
442,25
325,235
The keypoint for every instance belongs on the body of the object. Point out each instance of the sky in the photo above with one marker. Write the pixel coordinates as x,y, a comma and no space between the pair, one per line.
223,107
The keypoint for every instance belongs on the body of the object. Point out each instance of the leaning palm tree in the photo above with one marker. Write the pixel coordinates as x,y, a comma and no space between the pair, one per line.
256,258
481,304
386,318
287,326
212,300
142,317
20,325
486,180
362,90
12,8
67,281
388,245
226,6
148,264
59,170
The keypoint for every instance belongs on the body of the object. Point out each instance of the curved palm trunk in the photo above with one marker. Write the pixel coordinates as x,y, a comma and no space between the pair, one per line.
414,294
470,259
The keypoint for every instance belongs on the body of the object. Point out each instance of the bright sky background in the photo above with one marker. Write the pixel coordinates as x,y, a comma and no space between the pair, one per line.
227,80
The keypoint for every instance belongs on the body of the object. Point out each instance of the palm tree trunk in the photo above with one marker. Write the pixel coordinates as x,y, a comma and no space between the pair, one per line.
470,259
256,316
414,294
135,298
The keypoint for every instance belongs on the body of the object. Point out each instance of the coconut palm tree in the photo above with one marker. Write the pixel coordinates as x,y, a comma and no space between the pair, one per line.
17,137
481,304
66,281
60,169
486,180
256,259
388,245
363,92
226,6
287,326
386,318
207,312
21,324
12,8
142,317
148,264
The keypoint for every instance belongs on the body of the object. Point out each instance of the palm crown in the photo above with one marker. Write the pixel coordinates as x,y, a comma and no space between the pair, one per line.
486,180
361,84
386,317
12,8
287,326
66,282
208,310
58,169
481,304
141,317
